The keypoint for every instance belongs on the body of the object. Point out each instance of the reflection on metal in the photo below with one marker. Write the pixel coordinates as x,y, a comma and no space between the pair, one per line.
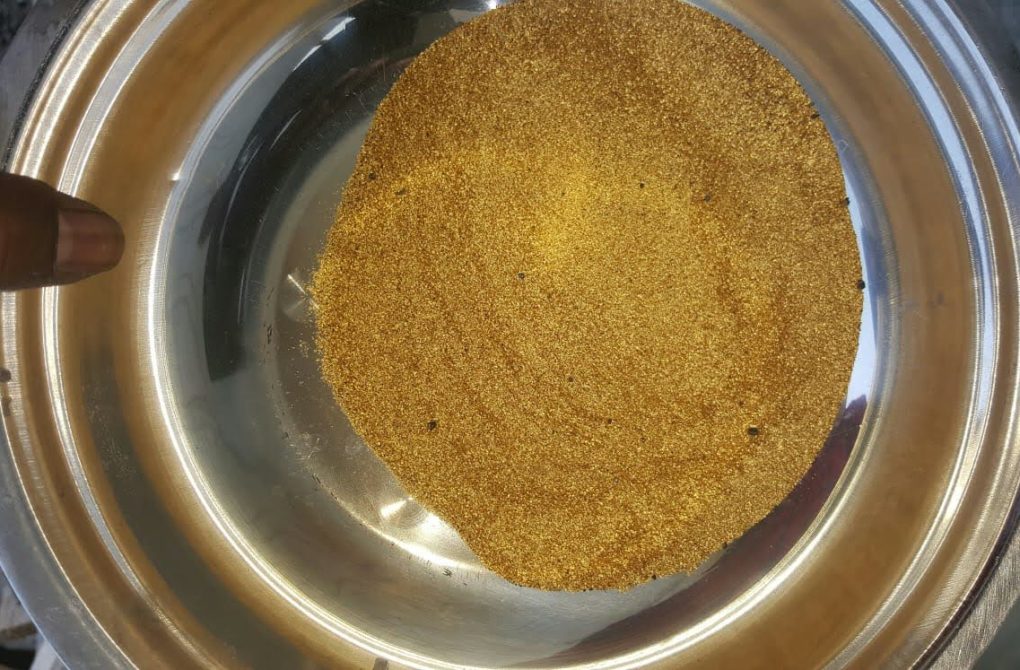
387,511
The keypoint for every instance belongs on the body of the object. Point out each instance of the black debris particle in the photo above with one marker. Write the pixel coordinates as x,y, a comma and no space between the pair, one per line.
448,572
402,191
641,184
708,197
432,425
5,375
521,276
372,176
753,431
815,115
570,378
860,285
846,202
609,422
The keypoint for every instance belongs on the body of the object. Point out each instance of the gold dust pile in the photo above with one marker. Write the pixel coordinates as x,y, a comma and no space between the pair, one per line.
592,292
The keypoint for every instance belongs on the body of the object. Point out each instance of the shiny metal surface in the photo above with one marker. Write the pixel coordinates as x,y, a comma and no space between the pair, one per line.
180,484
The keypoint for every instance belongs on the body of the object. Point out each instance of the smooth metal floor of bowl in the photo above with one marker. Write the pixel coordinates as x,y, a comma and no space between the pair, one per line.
216,485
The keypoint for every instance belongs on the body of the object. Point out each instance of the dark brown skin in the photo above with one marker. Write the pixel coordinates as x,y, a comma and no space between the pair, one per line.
48,238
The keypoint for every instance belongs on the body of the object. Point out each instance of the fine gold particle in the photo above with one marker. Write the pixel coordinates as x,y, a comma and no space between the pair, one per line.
592,291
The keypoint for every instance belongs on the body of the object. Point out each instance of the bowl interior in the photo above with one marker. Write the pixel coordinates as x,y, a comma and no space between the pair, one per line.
245,225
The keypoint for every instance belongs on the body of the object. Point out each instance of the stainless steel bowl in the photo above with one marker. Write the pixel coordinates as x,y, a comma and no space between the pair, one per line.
180,490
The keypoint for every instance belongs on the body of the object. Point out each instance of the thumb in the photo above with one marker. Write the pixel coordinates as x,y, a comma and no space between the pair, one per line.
49,238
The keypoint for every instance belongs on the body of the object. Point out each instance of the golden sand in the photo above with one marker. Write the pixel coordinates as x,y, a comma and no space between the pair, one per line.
592,290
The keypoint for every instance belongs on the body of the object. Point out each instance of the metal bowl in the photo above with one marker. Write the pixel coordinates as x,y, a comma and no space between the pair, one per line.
180,490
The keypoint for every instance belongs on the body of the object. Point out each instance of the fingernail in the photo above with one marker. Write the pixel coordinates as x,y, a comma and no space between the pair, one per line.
88,242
